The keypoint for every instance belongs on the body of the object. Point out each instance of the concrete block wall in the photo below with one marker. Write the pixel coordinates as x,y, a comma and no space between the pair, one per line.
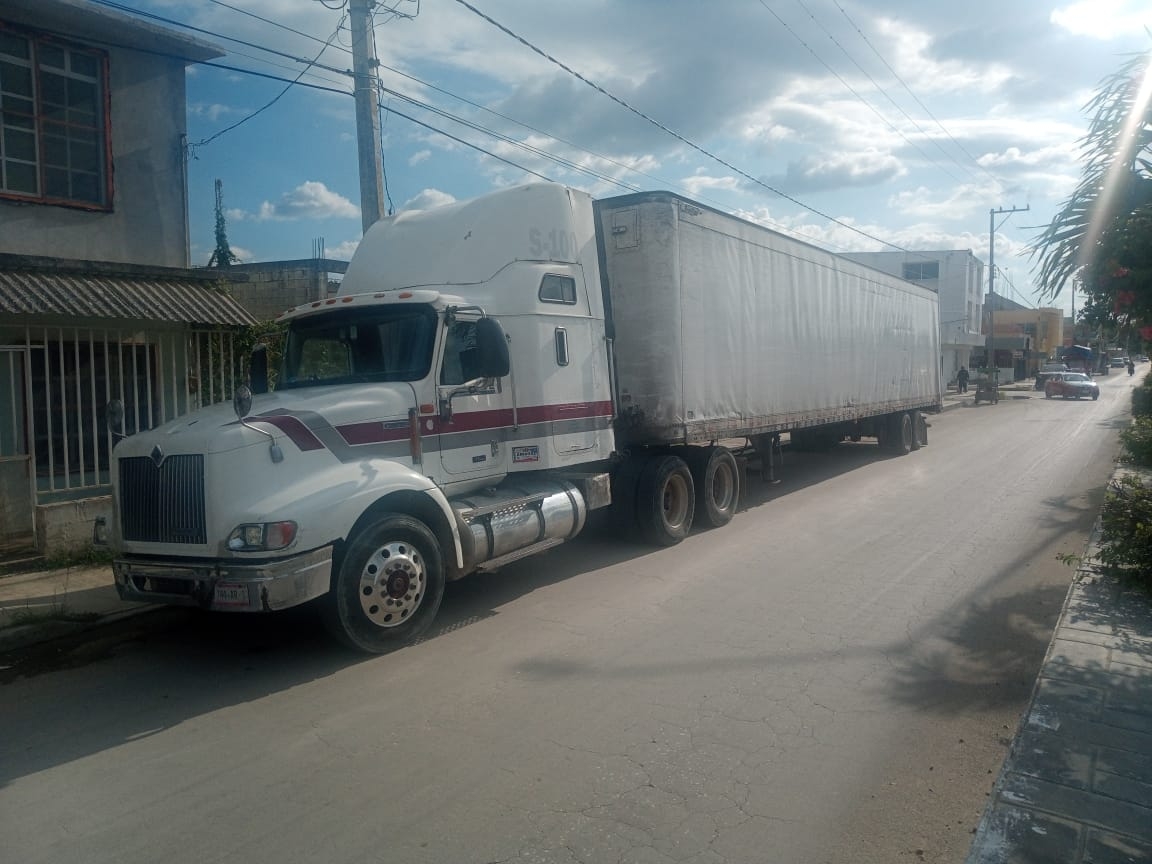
66,528
268,288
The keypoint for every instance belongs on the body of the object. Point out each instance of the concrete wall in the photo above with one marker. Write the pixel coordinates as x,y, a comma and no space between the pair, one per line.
66,528
148,221
267,289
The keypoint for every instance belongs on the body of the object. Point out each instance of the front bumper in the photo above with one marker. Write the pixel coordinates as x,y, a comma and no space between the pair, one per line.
228,587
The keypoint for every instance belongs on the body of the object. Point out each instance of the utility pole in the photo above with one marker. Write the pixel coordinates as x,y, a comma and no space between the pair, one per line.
990,349
367,93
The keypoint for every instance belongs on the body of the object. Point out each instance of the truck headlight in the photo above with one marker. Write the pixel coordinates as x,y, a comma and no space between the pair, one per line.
262,536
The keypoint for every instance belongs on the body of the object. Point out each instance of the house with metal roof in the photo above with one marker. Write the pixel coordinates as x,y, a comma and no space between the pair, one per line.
97,300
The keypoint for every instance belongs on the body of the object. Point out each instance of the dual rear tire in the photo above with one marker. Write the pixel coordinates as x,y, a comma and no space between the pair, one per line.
661,495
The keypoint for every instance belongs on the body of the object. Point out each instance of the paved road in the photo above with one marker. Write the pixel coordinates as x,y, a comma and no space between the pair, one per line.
833,677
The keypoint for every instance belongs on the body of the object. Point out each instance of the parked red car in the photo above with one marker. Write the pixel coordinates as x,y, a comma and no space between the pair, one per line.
1071,385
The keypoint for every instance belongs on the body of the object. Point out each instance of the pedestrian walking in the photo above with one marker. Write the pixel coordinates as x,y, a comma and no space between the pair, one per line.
962,380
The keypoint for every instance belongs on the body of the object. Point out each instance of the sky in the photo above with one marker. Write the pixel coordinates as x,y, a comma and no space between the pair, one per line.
857,125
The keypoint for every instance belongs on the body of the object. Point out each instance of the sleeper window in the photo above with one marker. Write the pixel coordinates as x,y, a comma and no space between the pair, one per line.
558,289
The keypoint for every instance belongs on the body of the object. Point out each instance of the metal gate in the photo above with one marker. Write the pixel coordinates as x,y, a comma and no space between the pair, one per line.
17,526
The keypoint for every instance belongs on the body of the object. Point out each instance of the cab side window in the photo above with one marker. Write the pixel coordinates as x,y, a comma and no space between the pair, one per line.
461,356
558,289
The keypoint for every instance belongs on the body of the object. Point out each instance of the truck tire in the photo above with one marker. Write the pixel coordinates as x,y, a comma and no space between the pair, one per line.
624,481
900,433
717,479
388,586
922,428
665,500
917,419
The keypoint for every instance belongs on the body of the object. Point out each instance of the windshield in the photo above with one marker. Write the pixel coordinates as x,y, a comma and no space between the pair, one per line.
380,344
1075,377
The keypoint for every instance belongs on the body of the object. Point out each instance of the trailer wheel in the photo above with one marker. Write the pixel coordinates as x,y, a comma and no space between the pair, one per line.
901,433
665,500
388,586
921,429
717,480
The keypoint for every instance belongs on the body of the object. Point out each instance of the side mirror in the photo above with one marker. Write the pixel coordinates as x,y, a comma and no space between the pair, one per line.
493,348
258,366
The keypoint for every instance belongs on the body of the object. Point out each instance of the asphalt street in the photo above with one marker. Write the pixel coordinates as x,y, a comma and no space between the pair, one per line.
835,676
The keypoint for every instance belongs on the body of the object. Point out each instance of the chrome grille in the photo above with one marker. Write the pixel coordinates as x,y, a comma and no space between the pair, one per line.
163,504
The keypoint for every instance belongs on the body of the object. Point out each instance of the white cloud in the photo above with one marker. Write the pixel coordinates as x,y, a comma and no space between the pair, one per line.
1103,19
419,156
699,184
342,252
310,200
212,112
428,199
961,203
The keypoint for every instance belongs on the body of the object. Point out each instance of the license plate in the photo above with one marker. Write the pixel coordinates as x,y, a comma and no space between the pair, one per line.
230,594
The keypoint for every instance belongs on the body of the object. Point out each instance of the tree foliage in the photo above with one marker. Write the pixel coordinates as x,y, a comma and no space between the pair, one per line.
1103,232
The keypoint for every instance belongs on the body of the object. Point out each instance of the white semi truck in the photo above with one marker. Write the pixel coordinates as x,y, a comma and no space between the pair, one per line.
492,370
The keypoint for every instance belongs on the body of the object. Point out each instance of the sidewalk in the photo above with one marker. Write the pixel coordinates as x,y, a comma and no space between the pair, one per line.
43,605
1075,787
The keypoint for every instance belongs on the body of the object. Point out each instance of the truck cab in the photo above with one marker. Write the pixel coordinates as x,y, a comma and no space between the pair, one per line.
447,411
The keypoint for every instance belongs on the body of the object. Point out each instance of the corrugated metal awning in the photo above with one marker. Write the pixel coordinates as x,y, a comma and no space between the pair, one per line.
143,297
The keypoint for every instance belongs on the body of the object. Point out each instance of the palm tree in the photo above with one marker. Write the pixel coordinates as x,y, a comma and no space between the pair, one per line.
1104,229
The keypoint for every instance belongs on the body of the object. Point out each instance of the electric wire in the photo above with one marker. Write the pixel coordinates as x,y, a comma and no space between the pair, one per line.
120,7
885,93
855,93
192,148
470,124
719,160
925,108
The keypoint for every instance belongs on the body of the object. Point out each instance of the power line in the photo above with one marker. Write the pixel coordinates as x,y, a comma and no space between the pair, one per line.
672,132
297,81
885,93
120,7
192,148
853,91
924,107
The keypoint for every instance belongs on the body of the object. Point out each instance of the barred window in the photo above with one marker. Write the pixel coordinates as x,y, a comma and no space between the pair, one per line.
53,124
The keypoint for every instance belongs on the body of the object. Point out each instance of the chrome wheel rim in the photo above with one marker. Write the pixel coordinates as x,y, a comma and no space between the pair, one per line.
392,584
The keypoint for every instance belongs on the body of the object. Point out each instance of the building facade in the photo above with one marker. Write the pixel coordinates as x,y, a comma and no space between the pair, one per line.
96,300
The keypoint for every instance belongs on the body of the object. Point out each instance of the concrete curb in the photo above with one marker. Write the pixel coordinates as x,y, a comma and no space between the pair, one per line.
21,636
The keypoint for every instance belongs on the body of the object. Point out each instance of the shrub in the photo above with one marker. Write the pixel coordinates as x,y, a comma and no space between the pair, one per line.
1137,442
1126,527
1142,400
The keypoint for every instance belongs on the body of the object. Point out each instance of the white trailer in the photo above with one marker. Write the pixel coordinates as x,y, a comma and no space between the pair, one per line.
492,370
724,328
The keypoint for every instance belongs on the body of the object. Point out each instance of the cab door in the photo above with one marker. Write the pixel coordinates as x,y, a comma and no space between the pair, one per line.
474,438
575,382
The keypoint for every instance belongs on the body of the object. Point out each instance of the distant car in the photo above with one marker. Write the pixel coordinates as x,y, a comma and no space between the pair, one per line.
1118,362
1046,372
1071,385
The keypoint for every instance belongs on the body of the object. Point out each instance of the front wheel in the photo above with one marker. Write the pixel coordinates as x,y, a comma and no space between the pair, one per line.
665,500
388,586
1095,396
